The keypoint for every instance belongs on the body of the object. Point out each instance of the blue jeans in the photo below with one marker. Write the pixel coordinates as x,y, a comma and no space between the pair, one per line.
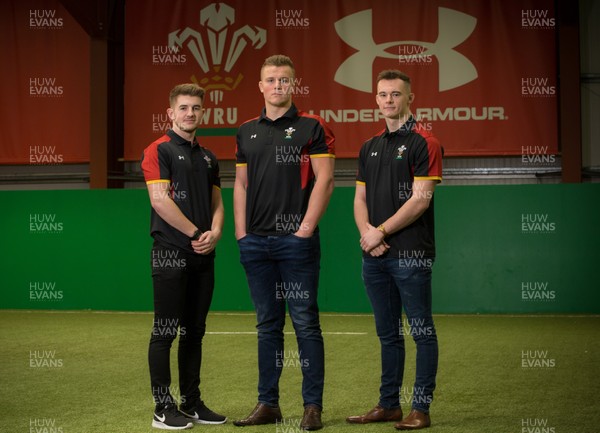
280,270
390,286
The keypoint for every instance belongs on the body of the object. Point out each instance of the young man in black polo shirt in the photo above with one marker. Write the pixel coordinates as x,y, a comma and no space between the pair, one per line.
393,209
186,223
284,179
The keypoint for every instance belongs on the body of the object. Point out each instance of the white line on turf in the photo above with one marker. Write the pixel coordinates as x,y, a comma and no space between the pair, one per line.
368,315
289,333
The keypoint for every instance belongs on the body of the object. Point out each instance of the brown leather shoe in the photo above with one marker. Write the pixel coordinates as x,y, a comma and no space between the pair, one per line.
262,414
414,421
312,418
377,414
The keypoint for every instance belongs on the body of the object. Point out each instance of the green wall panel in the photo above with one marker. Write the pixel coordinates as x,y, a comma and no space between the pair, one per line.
91,250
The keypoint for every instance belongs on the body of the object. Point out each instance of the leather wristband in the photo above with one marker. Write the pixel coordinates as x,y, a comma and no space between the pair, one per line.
381,228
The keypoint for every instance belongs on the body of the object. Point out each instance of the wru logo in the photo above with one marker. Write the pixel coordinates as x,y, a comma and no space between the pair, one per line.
217,20
454,28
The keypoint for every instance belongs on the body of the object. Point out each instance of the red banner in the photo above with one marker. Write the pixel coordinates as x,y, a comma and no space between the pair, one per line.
45,105
483,73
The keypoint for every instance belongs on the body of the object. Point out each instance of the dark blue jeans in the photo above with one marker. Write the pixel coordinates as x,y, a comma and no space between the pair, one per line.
391,286
285,270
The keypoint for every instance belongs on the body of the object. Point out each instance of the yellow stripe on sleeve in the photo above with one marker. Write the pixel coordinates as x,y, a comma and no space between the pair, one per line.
428,178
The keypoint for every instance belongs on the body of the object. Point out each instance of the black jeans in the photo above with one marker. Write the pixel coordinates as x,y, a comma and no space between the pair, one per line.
183,288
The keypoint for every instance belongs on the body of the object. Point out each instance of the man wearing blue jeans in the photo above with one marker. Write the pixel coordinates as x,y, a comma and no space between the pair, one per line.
284,179
393,209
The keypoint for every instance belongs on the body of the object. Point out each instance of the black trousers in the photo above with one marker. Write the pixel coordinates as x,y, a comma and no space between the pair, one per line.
183,288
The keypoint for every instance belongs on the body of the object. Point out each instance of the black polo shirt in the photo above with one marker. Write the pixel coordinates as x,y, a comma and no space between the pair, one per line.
192,172
280,177
388,164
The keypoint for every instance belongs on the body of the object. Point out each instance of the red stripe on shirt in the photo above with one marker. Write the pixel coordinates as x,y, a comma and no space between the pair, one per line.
150,165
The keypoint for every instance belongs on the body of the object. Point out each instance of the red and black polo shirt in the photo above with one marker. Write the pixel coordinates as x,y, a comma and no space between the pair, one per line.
277,154
388,165
192,172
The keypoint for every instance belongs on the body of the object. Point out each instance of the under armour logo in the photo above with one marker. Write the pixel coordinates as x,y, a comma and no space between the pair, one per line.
181,157
252,136
356,30
373,153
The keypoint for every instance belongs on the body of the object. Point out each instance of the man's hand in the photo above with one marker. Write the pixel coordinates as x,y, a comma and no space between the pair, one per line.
303,232
206,243
380,249
371,239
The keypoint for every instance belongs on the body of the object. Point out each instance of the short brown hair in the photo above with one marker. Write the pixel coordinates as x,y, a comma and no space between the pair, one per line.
279,60
188,89
393,74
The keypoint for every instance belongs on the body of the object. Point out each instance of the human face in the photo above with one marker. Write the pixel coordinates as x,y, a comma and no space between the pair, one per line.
275,84
186,113
394,98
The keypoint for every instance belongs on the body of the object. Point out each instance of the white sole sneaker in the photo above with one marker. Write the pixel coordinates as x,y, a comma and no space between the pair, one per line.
163,426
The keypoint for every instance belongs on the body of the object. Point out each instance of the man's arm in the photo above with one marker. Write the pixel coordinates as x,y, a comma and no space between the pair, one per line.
207,242
415,206
361,217
361,213
320,195
239,200
166,208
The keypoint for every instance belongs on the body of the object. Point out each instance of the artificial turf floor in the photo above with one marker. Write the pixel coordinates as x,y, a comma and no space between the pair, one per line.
86,372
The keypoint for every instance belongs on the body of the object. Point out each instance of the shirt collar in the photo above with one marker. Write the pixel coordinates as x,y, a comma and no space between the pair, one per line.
290,114
178,139
405,129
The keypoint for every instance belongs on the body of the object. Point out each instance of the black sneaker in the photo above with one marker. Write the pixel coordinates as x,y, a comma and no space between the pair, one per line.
169,418
200,414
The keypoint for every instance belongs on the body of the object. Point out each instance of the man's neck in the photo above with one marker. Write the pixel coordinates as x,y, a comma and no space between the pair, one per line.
272,112
396,123
188,136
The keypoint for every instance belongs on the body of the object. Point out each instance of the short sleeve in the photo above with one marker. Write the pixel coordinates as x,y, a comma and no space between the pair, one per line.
428,161
155,163
323,141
